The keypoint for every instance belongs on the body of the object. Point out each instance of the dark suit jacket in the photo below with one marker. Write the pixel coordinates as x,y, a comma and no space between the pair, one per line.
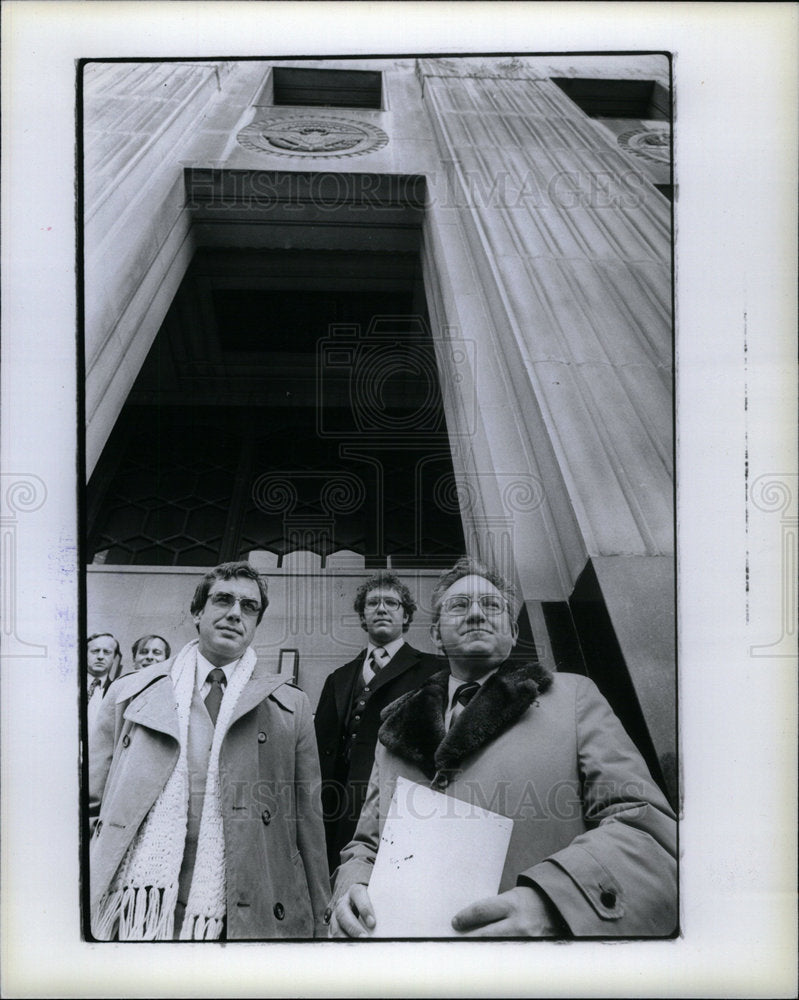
344,782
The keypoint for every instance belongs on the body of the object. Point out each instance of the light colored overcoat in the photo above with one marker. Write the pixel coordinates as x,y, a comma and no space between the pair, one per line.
277,880
591,829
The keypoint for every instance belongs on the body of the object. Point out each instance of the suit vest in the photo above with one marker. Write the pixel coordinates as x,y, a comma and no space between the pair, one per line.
361,692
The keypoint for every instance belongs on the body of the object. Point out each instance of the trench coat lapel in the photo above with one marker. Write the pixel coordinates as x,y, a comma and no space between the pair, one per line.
259,686
155,708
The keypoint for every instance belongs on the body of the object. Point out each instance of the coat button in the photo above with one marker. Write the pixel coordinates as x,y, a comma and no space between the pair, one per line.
126,740
262,737
357,718
266,817
279,911
328,914
608,898
366,690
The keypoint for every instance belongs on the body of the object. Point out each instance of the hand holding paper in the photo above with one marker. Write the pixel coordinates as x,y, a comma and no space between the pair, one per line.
437,855
353,915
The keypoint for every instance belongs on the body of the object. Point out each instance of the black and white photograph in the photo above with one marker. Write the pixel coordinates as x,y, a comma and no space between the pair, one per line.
399,507
380,351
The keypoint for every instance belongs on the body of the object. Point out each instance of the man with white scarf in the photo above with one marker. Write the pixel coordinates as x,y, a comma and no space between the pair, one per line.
204,789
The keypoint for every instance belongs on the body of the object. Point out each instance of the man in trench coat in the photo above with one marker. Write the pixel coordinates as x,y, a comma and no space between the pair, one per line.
593,846
204,788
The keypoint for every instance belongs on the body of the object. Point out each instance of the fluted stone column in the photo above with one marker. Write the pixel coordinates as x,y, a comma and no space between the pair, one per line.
142,123
548,252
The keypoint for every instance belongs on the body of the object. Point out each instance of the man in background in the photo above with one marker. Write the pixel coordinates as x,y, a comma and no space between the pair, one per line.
353,696
149,649
103,665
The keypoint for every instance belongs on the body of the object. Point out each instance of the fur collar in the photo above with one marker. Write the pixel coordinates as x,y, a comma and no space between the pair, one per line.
413,725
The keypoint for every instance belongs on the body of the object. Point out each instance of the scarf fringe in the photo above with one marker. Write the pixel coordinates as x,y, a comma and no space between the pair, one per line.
200,928
136,914
140,902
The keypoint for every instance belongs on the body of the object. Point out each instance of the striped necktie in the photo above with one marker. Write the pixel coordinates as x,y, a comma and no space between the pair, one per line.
378,660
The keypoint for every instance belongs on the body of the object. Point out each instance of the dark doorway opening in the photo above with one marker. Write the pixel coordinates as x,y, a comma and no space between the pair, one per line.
289,402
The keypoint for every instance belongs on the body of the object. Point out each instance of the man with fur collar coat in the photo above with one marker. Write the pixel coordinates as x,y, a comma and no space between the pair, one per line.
592,852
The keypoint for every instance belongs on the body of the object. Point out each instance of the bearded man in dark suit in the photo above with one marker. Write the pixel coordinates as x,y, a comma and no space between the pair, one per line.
353,696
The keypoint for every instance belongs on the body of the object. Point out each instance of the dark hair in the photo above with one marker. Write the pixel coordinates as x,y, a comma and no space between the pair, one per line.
384,580
147,638
228,571
468,566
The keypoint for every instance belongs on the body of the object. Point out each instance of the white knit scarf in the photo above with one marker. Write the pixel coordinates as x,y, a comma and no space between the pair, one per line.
142,896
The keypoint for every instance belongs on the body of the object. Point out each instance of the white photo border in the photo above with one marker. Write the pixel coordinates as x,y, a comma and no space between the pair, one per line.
735,73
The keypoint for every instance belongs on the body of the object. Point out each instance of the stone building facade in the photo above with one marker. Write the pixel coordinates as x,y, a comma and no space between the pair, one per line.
345,314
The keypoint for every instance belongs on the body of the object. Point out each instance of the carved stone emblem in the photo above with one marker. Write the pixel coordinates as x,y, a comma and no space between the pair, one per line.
650,144
306,136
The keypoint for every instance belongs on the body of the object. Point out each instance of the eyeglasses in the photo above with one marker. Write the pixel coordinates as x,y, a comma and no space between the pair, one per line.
223,600
389,603
460,604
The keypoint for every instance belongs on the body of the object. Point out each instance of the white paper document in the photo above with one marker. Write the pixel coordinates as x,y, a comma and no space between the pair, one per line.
437,855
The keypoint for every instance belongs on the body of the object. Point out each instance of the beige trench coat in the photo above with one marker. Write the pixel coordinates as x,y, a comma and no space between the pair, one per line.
277,880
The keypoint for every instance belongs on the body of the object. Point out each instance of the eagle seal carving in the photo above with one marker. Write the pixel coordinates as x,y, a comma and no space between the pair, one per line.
306,136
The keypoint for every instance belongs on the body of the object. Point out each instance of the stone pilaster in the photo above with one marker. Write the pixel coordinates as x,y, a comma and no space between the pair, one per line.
548,250
143,122
570,246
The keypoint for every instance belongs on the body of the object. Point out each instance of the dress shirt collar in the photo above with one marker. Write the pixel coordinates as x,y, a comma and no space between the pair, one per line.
204,667
453,684
367,671
390,647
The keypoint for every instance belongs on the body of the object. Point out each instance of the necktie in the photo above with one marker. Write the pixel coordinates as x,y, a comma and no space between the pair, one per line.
213,699
94,685
463,695
378,659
